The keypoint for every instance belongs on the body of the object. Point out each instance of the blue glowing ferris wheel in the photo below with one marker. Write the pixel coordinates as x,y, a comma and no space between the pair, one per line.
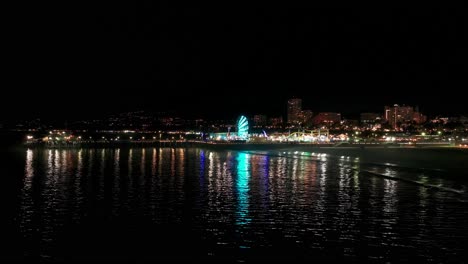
242,127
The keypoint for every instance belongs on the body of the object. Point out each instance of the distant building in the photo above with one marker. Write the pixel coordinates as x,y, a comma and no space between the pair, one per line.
370,118
464,120
441,120
177,121
419,118
350,122
276,121
259,120
166,121
306,117
397,115
294,110
327,118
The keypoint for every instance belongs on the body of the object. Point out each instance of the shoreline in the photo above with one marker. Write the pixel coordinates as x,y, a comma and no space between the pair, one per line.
240,146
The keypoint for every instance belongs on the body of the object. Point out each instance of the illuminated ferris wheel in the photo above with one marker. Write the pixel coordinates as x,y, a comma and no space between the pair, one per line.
242,127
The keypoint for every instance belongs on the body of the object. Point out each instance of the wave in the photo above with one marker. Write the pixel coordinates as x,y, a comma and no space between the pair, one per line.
427,185
288,154
397,166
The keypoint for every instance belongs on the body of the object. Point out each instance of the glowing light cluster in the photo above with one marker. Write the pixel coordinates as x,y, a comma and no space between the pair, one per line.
243,127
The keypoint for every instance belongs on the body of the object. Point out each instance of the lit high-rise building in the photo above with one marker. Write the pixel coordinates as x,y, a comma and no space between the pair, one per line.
396,115
294,110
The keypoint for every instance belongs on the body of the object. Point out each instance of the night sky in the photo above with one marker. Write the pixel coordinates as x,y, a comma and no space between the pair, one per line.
84,62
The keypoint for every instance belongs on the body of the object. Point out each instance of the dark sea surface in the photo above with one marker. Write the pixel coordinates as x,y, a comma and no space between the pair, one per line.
198,204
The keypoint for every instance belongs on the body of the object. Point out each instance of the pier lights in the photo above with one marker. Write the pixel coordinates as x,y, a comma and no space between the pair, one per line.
29,137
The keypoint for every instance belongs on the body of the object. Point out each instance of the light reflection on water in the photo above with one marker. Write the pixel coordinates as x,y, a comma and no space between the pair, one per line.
242,187
232,204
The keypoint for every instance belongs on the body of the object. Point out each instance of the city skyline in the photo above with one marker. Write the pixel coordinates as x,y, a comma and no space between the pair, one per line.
106,60
229,111
396,117
215,108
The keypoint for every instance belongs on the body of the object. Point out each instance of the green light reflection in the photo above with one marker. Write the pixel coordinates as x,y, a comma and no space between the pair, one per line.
242,188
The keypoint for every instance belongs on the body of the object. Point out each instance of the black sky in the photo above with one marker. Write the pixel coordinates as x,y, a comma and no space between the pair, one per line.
91,61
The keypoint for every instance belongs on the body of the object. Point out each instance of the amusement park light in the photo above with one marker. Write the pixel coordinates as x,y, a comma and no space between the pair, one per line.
243,127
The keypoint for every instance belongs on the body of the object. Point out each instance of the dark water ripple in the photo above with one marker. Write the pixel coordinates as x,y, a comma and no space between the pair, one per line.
186,204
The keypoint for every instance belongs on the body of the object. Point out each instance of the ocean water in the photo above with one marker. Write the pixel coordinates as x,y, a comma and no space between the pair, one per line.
150,204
